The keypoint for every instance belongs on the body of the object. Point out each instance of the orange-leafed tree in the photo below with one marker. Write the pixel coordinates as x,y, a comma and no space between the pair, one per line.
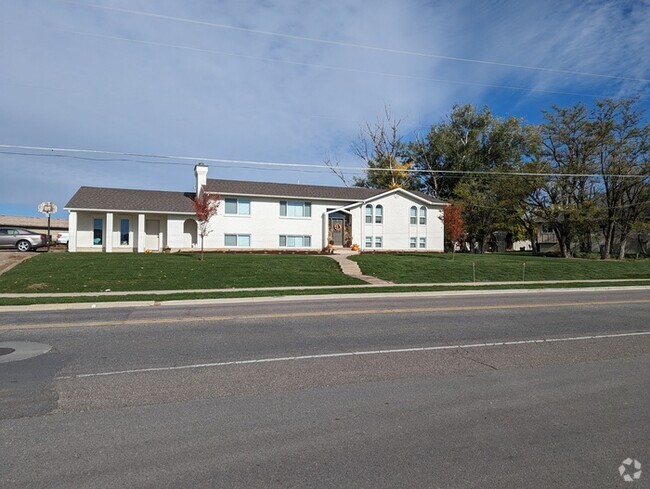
452,218
205,207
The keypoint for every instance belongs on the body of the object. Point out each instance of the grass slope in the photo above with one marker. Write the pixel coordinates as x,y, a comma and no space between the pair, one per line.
85,272
440,268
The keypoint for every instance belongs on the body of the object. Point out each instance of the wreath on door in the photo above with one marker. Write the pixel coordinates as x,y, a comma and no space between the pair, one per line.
337,226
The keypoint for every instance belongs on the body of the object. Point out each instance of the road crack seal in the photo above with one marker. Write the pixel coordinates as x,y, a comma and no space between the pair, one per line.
470,357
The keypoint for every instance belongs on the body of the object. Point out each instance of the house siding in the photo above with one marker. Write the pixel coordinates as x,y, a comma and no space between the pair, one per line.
265,224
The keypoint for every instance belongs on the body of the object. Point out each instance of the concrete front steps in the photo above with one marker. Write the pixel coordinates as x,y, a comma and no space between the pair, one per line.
350,268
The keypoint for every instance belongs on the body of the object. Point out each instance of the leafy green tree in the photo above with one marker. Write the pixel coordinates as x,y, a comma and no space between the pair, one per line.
459,142
622,159
566,201
483,149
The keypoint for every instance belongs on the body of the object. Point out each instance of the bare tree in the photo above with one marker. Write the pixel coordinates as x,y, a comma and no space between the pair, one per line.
382,148
335,167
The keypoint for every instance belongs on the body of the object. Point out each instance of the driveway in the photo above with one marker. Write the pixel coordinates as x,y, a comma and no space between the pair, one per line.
9,259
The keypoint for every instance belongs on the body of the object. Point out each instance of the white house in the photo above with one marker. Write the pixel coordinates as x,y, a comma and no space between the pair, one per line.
255,216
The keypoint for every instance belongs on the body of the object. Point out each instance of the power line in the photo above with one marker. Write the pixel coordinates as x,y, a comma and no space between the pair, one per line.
354,45
275,164
334,68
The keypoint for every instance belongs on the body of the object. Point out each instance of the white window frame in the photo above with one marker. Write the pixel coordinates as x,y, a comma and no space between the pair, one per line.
286,205
368,214
413,243
423,216
413,215
369,241
423,243
238,202
128,233
379,214
92,231
379,242
237,237
286,238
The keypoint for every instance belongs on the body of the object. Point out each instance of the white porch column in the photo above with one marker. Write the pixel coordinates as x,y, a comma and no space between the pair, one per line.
109,232
324,230
141,234
72,230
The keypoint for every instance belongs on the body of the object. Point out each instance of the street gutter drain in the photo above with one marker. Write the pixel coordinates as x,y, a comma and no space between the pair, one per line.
6,351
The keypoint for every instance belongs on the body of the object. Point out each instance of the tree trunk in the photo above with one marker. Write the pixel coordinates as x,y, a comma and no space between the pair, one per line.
621,252
562,243
609,235
533,241
202,247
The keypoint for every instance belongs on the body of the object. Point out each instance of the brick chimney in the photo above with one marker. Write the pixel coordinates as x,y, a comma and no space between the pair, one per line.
201,173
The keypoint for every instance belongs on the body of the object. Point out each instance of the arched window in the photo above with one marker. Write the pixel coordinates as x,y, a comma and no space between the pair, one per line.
423,215
379,214
414,215
368,214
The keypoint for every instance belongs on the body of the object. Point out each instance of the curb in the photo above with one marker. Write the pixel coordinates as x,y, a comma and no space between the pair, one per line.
301,298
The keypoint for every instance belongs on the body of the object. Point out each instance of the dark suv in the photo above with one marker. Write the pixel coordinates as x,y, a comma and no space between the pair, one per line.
21,239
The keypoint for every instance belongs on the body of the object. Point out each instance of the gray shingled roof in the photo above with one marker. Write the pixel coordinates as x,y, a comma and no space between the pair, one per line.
120,199
161,201
350,194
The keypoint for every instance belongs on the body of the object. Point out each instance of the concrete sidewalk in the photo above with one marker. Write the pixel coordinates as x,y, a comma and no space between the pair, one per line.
383,284
298,298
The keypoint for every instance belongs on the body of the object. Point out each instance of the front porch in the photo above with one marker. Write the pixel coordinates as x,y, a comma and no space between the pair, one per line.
114,232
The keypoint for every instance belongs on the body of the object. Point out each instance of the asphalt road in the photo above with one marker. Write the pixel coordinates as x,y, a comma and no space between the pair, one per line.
454,391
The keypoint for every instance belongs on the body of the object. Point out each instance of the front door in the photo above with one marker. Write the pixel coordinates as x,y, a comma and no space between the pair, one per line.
338,227
152,235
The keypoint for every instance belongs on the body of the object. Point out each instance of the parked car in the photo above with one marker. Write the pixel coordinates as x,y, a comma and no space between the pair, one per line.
62,238
21,239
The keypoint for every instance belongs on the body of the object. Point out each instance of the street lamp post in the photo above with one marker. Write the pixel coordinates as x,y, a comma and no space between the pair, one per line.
47,208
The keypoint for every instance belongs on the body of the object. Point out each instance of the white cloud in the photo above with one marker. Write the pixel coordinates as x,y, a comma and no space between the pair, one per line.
67,82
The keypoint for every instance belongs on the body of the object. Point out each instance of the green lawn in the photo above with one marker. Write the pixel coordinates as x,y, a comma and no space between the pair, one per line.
86,272
440,268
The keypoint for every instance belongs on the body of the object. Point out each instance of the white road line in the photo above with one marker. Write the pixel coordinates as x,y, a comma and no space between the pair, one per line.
352,354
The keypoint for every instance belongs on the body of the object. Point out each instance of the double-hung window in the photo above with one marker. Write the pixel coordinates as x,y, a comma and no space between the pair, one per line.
413,242
378,241
295,208
237,206
368,241
423,242
379,214
423,215
368,214
413,213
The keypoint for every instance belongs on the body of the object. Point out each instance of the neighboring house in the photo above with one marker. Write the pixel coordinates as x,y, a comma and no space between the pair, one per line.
637,243
36,224
255,216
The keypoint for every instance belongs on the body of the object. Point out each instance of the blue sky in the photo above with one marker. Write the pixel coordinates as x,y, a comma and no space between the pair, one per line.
279,81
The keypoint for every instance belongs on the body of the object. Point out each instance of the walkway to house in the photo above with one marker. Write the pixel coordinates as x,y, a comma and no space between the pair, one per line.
351,268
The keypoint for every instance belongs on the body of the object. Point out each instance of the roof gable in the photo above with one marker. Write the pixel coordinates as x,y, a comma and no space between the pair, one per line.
410,194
